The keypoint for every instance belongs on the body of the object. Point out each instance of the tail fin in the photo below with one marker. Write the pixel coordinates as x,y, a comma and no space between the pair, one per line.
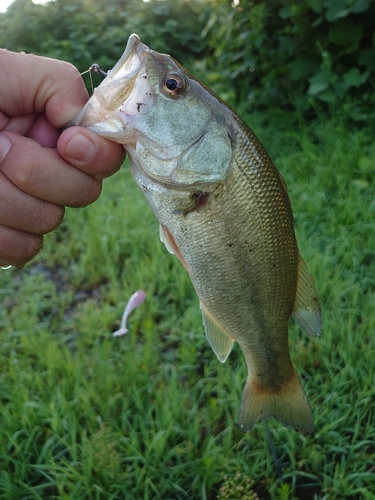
288,404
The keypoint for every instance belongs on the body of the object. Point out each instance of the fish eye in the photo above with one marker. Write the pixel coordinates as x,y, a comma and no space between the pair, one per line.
174,85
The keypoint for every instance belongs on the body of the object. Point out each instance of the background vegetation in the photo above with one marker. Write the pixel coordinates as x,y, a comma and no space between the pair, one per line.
152,415
303,54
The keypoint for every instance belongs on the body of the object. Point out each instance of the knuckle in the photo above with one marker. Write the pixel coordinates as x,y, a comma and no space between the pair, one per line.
28,175
52,217
29,248
34,246
46,217
17,247
63,71
70,70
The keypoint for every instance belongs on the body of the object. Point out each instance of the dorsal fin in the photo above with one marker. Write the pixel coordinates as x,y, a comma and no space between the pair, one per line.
218,339
306,309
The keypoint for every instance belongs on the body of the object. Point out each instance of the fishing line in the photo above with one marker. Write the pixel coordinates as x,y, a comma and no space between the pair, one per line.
273,451
91,82
94,68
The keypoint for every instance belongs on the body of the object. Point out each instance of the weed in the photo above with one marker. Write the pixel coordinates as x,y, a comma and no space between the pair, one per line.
237,486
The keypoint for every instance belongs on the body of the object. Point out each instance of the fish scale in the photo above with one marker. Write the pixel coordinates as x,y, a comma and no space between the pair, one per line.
224,211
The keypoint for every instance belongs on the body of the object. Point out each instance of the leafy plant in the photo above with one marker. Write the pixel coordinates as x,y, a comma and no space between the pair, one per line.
237,486
302,55
295,54
96,31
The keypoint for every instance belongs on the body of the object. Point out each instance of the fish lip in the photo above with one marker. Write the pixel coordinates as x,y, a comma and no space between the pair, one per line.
118,84
128,66
133,41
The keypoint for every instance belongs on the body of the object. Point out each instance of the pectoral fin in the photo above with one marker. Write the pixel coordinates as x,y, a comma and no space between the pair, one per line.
218,339
306,310
164,239
170,245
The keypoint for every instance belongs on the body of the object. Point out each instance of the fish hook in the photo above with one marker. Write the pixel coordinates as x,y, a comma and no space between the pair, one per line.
95,68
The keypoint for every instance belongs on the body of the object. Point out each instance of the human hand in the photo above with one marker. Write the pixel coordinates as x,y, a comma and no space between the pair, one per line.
41,169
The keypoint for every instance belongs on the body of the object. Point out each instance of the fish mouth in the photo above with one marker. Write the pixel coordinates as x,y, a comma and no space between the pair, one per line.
119,83
100,113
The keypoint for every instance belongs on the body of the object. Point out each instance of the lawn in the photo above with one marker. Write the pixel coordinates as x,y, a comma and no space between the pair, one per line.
152,415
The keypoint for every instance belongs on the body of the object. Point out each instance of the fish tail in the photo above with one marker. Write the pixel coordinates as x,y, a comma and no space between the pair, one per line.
288,404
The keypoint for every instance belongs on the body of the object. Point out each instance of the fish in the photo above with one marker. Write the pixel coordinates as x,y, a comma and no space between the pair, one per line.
224,211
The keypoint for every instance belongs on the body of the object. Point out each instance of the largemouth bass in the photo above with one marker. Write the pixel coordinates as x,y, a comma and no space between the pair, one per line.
224,211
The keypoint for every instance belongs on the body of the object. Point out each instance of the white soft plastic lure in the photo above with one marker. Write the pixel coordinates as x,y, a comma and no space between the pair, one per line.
135,300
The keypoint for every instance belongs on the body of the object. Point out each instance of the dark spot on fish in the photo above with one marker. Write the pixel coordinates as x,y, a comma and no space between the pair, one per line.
201,198
145,76
198,200
139,104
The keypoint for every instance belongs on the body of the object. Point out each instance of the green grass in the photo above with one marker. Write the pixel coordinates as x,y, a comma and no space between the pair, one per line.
152,415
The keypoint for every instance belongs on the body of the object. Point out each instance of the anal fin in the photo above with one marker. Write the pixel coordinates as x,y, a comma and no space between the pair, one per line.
306,309
218,339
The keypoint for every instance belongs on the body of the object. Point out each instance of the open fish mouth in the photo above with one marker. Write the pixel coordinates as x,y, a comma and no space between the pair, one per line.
100,113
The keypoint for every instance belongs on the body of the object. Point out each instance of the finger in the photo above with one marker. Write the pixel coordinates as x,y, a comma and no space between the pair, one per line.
47,85
89,152
20,124
17,247
36,126
42,173
43,133
19,210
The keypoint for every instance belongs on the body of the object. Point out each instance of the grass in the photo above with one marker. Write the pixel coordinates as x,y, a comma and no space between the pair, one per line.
152,415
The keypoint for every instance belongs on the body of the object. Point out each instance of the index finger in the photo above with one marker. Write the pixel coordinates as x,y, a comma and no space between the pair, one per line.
32,83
